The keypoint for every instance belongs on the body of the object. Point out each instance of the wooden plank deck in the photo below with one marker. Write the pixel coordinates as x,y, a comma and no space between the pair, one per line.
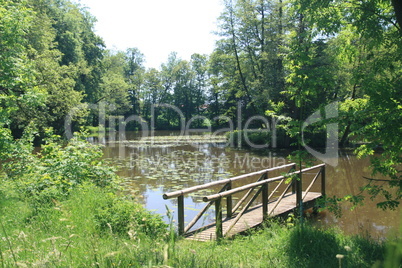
253,217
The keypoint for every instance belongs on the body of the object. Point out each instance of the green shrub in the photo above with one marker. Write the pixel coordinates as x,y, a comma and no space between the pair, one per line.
57,169
102,211
393,256
248,139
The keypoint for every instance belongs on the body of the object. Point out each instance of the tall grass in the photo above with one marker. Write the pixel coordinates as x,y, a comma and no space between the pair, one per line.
71,235
80,231
280,246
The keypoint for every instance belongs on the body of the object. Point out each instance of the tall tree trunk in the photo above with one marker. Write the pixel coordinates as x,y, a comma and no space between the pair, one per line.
263,49
280,83
242,78
397,4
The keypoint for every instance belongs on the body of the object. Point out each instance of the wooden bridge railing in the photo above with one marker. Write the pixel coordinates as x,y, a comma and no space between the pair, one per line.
227,192
227,185
296,185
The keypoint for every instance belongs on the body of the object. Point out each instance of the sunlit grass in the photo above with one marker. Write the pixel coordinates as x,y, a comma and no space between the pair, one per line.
81,231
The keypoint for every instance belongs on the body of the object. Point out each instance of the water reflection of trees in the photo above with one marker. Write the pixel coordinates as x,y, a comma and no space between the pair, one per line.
347,178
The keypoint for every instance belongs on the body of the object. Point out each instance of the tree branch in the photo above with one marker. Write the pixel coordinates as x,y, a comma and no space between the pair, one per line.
10,91
371,179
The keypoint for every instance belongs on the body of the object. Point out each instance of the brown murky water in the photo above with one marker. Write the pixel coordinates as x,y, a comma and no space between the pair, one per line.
153,169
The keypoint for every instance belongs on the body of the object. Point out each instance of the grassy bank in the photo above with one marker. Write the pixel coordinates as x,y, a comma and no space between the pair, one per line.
281,246
87,230
90,228
96,228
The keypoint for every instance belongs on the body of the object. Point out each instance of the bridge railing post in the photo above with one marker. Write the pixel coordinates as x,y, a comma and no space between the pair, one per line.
265,201
218,218
293,182
229,202
299,192
323,181
265,198
180,213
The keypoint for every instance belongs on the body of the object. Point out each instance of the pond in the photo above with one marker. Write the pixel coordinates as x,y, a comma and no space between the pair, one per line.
152,167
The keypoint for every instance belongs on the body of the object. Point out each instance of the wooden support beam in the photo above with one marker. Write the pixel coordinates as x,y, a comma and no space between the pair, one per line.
229,203
246,196
218,219
180,213
199,215
265,201
311,184
299,197
244,209
323,192
293,183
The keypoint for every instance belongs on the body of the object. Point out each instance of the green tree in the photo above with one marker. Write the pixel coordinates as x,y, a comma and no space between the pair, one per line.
19,93
254,35
151,92
50,61
199,66
114,89
223,98
134,76
374,27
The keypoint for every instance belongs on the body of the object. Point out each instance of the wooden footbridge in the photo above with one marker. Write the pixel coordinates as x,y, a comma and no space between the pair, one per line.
250,211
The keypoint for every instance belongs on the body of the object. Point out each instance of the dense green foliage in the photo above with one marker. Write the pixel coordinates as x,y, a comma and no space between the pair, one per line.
365,39
282,60
55,171
274,58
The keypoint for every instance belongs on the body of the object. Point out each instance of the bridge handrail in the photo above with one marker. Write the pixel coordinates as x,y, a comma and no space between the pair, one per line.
221,182
255,184
263,183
